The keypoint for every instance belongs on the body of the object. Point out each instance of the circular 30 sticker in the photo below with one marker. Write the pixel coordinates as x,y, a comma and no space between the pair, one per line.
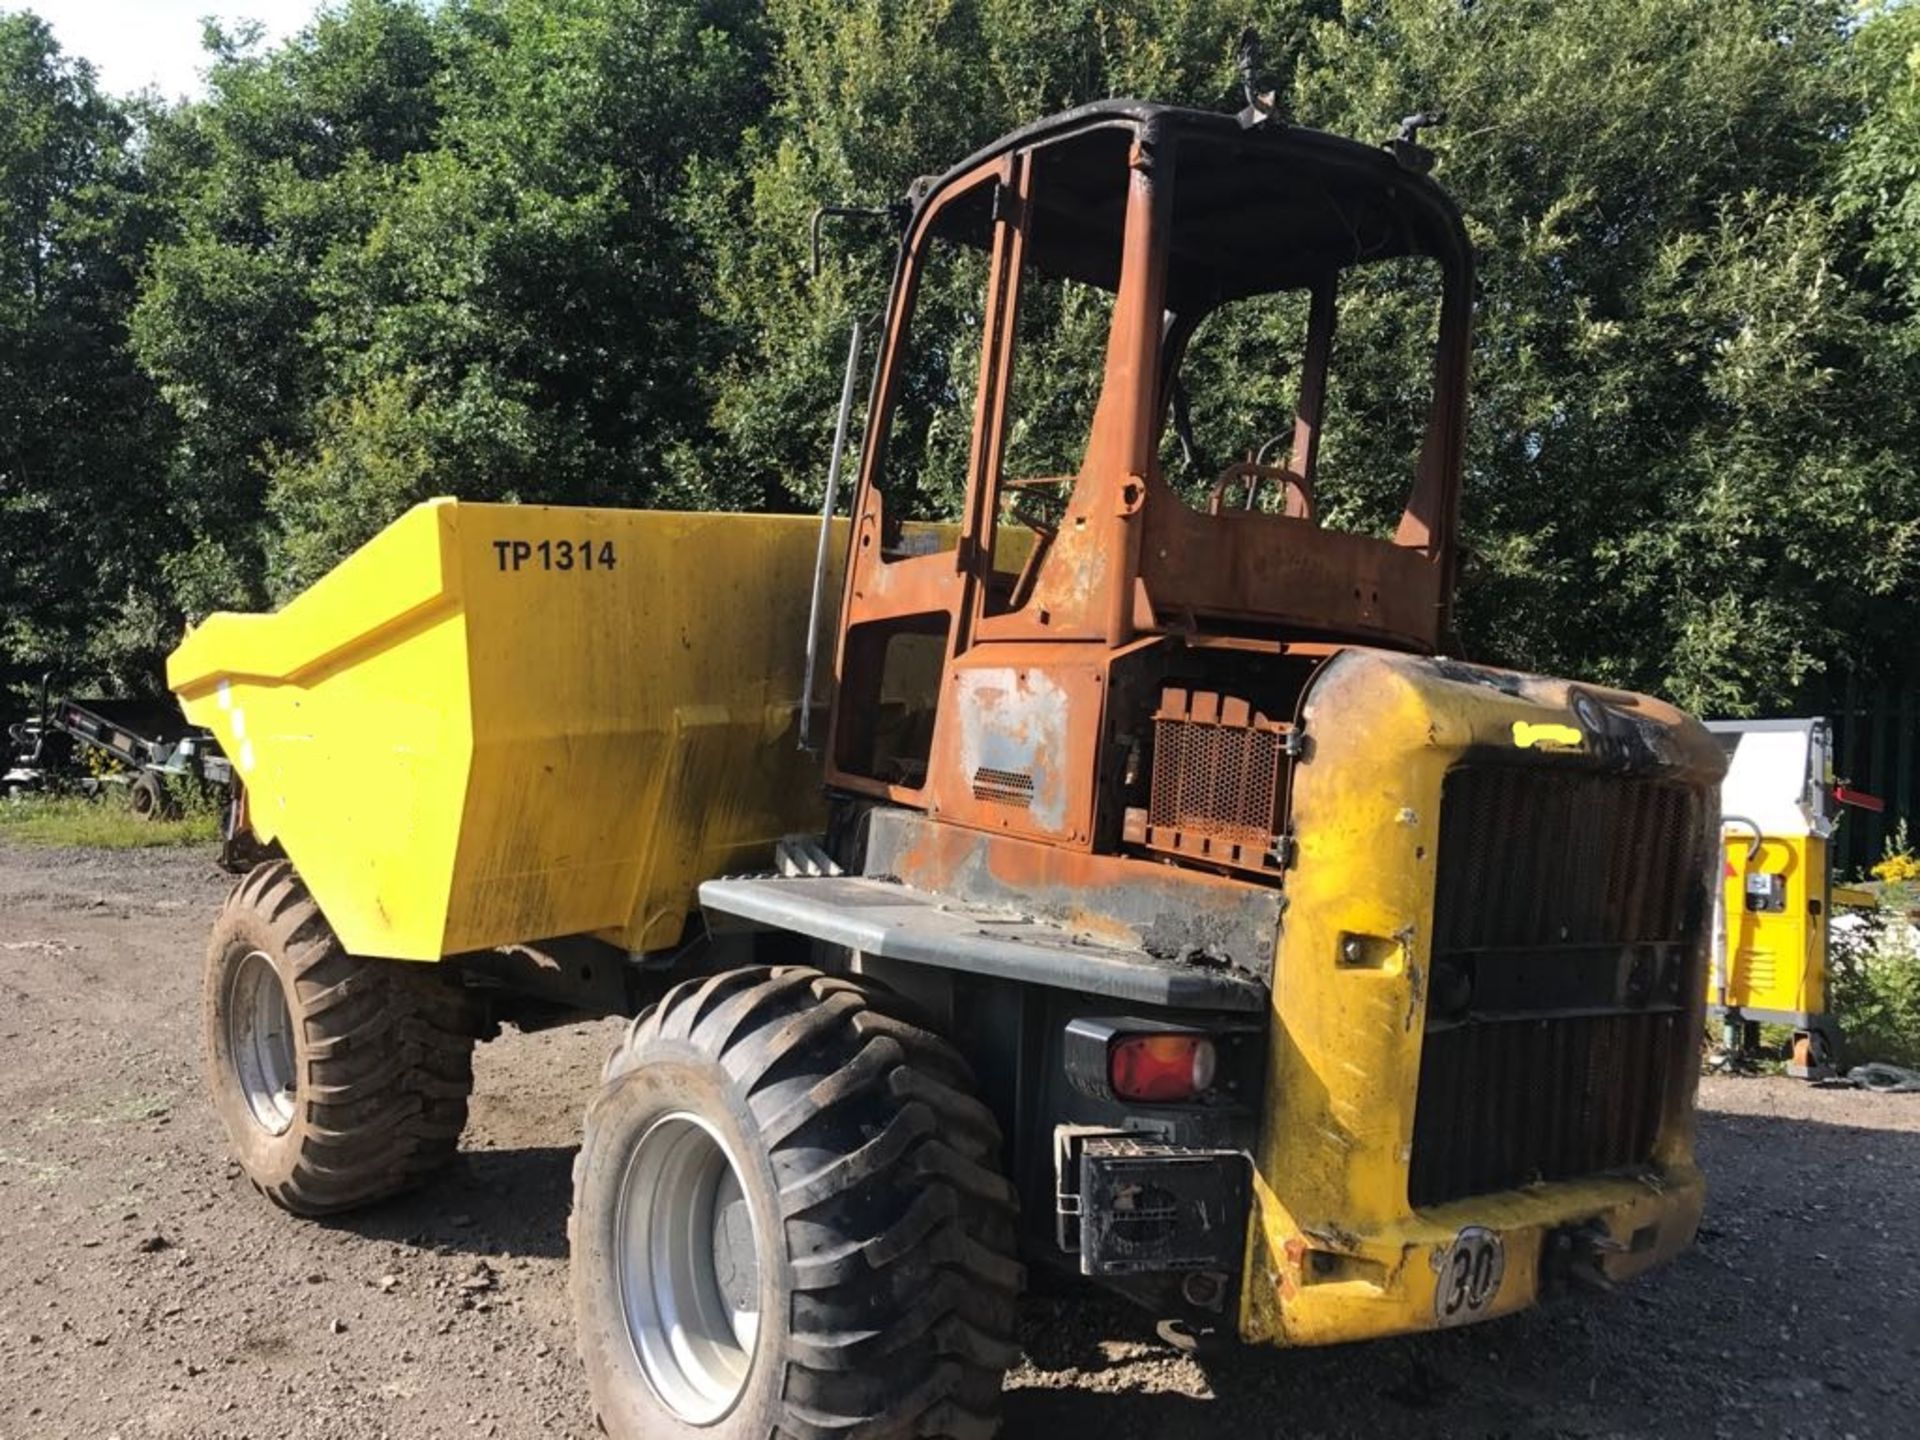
1467,1275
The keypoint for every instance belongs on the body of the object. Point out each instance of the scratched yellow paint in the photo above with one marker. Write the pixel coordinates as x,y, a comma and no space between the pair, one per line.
500,723
1336,1252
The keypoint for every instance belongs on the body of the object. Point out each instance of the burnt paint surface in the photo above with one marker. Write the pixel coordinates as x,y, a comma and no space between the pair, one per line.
1190,917
1024,725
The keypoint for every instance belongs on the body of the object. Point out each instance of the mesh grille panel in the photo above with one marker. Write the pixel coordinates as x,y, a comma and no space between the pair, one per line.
1003,787
1508,1103
1211,780
1218,775
1542,857
1536,863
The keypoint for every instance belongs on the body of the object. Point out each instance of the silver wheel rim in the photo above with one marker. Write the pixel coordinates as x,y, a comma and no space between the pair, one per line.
687,1257
260,1040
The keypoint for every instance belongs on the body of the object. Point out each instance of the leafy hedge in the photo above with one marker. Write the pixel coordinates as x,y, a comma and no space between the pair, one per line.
555,250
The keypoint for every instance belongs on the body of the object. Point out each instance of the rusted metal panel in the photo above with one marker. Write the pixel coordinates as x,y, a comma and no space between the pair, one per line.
1016,750
1192,917
1251,564
1129,555
1219,774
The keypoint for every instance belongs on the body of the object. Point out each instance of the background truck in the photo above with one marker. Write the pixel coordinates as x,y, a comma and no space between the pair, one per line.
146,737
1162,907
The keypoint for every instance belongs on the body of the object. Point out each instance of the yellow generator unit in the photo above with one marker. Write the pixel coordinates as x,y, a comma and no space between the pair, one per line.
1779,807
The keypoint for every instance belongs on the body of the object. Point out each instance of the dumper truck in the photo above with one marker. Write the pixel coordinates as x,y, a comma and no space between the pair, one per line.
1139,893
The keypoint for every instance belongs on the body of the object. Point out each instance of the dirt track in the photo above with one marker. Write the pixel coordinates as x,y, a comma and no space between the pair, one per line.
146,1291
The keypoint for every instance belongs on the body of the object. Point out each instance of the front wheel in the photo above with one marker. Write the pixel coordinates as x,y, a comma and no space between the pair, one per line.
341,1080
789,1219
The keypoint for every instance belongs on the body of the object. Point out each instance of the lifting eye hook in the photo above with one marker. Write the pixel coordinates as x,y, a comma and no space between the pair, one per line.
1753,850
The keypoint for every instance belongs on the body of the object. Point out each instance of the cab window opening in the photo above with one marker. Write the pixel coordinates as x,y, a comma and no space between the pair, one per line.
1240,373
920,467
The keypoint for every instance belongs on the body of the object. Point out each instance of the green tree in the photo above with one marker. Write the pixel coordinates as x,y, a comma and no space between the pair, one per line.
865,97
82,522
291,157
1684,474
1691,469
556,250
439,250
1880,179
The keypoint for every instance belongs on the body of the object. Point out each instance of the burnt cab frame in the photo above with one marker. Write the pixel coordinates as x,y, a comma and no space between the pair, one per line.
1174,213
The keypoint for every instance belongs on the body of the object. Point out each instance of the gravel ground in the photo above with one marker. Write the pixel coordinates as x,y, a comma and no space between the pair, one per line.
146,1291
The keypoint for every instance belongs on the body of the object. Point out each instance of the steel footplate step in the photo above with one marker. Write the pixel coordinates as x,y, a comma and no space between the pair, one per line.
890,920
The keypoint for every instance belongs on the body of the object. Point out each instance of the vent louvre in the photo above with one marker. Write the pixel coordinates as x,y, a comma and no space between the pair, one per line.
1003,787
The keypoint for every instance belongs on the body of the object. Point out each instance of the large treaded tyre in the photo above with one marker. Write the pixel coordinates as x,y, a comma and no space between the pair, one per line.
341,1080
880,1270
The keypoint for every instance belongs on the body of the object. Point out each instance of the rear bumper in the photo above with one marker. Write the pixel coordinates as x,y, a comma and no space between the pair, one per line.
1473,1260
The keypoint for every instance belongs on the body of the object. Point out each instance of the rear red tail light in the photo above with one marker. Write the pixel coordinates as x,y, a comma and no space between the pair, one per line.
1161,1067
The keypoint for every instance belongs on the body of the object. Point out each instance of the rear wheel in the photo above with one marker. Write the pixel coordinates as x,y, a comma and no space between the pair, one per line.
789,1219
340,1079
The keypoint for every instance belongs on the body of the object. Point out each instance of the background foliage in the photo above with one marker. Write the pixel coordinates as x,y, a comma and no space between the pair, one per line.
556,250
1874,973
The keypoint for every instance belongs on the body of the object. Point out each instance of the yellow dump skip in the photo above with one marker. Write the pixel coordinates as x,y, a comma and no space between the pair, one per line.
502,723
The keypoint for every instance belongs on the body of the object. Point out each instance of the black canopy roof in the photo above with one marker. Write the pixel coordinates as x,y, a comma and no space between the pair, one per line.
1255,209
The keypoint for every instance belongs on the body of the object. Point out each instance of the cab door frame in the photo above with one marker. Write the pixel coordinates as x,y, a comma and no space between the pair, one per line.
932,593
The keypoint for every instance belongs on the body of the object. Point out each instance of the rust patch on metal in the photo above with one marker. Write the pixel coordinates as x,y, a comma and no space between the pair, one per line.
1184,916
1021,736
1013,725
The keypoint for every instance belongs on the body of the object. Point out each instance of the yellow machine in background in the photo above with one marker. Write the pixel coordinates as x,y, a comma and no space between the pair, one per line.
1779,808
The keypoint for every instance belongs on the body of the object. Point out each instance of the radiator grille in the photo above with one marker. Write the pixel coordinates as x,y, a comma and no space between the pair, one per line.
1536,867
1217,778
1546,857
